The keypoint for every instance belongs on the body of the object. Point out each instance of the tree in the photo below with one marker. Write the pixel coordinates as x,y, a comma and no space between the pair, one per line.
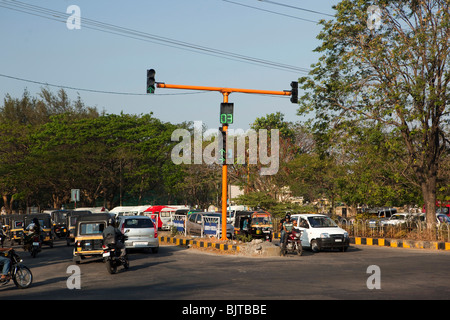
395,73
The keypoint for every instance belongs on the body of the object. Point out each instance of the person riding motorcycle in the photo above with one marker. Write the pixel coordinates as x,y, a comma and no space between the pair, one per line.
6,262
288,225
112,235
3,235
34,229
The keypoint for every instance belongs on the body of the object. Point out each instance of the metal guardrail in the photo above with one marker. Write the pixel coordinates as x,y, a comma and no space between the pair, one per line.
410,229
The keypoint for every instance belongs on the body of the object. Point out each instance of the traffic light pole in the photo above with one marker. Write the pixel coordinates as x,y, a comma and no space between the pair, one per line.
225,92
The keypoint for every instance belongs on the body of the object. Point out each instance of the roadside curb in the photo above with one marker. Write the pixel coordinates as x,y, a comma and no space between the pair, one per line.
380,242
199,243
401,243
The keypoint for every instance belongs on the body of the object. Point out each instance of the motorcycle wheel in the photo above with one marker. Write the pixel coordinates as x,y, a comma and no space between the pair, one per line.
111,266
22,277
34,252
299,249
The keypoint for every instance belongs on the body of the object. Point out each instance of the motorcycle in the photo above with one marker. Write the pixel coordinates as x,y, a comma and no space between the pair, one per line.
33,245
112,258
292,244
20,274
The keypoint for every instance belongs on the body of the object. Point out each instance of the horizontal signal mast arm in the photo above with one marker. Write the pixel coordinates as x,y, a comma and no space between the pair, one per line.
223,90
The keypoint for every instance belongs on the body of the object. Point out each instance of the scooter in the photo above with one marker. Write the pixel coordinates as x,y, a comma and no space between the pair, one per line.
293,243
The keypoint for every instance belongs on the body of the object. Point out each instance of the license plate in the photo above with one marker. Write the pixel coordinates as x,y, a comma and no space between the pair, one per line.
140,244
338,240
36,244
106,254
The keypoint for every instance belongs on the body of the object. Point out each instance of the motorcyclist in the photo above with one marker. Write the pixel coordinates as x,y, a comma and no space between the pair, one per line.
6,264
112,235
288,225
34,228
3,235
283,232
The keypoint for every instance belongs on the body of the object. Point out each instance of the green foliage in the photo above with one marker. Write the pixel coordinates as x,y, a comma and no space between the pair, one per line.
395,77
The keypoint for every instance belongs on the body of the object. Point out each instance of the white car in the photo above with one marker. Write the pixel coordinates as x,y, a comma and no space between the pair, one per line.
321,232
397,219
141,232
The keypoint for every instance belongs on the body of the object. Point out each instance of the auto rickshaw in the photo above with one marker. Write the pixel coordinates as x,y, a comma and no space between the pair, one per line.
59,218
261,226
16,227
89,236
242,223
46,225
71,221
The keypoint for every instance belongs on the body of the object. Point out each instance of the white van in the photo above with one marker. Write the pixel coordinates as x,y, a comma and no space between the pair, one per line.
129,210
321,232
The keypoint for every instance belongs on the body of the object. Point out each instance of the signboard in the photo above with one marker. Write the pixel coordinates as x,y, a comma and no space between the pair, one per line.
75,195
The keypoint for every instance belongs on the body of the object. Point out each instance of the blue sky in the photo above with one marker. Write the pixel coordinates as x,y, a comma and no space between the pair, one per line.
44,50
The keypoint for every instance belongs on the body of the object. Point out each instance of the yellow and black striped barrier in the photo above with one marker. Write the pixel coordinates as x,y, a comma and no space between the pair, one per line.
381,242
203,243
401,243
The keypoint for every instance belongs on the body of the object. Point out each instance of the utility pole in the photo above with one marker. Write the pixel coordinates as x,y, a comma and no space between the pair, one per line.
226,118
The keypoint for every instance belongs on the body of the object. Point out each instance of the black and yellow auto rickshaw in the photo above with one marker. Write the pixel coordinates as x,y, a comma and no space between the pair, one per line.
71,221
59,219
242,223
261,226
46,225
16,227
89,236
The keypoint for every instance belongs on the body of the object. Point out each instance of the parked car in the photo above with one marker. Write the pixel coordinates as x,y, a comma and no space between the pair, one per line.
442,218
397,219
321,232
195,225
141,232
378,215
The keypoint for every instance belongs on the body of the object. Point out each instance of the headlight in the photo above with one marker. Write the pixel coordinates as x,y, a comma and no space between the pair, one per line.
345,234
324,235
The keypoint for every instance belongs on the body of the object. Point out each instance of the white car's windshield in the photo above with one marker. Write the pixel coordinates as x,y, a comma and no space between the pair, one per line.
321,222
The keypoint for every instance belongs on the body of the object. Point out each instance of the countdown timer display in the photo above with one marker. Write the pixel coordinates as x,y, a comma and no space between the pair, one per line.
226,113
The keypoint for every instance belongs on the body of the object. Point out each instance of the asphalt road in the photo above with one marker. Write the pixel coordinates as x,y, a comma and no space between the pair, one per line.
177,273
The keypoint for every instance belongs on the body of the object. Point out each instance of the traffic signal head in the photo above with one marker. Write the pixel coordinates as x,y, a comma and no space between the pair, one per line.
226,113
294,92
151,81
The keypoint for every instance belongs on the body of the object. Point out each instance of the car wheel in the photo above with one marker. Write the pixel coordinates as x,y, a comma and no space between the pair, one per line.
315,246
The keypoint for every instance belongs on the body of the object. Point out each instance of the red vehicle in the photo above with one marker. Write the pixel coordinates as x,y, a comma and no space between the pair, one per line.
441,207
162,215
153,213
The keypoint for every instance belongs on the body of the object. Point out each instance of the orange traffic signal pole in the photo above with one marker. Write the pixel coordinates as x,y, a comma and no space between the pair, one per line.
225,92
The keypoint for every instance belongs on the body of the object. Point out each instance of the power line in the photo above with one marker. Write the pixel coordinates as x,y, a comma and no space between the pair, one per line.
297,8
139,35
93,90
269,11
